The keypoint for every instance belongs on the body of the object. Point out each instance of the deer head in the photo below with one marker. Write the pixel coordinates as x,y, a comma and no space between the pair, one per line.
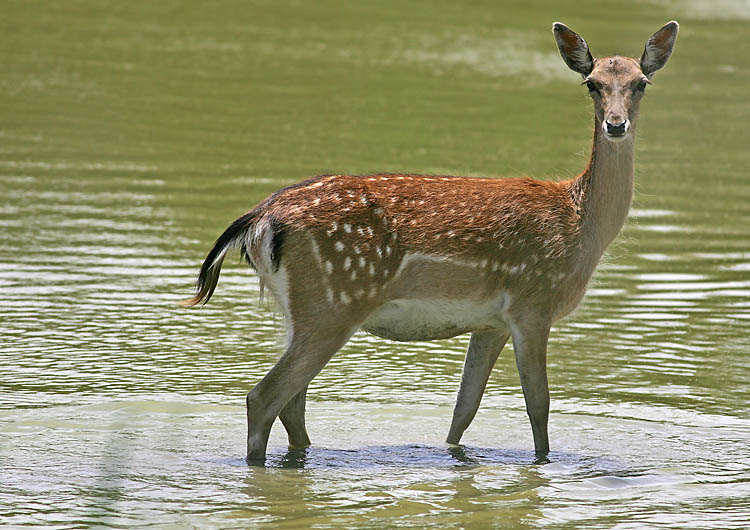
616,84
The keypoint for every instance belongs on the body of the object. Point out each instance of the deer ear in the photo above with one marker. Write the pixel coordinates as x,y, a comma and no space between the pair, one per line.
659,48
574,50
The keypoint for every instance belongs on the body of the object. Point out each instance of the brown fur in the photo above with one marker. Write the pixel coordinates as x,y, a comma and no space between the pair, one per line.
445,216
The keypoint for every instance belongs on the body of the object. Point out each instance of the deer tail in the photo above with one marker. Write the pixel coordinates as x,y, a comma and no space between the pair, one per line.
235,236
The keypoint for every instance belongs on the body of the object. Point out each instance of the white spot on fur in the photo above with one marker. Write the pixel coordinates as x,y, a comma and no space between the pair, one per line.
347,263
316,185
371,269
316,251
362,262
339,246
329,294
347,228
345,298
329,267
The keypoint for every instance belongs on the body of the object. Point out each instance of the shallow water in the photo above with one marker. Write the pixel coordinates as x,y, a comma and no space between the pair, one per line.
131,135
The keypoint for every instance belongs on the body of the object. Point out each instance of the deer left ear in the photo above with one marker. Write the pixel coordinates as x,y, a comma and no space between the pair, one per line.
659,48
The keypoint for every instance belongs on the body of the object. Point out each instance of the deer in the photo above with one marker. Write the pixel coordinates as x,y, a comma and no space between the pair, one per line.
410,257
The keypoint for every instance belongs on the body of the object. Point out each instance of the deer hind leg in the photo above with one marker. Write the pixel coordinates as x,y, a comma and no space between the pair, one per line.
481,355
317,327
293,418
530,346
282,390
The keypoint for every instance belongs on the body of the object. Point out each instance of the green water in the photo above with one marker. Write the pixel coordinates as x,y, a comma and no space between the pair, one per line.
132,133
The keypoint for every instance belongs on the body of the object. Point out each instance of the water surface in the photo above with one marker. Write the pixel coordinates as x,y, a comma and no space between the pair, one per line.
132,134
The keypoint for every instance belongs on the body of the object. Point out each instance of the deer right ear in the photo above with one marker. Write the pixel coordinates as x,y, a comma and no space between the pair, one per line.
574,50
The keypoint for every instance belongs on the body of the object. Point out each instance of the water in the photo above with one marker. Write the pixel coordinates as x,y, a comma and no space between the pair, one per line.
132,134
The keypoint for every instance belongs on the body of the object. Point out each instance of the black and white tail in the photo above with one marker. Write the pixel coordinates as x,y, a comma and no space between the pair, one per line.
236,236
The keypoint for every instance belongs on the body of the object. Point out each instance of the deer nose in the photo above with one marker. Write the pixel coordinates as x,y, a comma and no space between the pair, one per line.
618,128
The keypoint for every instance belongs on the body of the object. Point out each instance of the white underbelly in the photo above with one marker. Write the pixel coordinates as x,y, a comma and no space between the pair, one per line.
408,319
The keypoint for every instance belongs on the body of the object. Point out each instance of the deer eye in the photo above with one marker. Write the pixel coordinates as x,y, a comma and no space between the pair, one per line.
641,86
592,87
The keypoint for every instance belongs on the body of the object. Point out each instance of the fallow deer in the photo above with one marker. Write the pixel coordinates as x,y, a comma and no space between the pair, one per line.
419,257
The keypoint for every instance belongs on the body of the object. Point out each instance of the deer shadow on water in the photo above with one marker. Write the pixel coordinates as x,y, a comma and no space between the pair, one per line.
404,456
420,456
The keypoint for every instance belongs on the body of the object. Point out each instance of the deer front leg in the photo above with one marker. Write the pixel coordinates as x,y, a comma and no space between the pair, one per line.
481,355
293,418
530,347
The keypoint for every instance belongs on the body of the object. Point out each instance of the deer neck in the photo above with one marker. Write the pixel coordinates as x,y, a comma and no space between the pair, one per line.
604,191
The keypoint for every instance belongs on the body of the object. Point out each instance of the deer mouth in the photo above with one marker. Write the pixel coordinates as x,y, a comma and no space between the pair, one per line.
619,137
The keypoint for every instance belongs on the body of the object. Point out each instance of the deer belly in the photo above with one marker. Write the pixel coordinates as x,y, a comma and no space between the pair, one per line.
407,320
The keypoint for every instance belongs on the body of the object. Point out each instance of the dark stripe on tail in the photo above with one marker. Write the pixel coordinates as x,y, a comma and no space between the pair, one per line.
209,274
